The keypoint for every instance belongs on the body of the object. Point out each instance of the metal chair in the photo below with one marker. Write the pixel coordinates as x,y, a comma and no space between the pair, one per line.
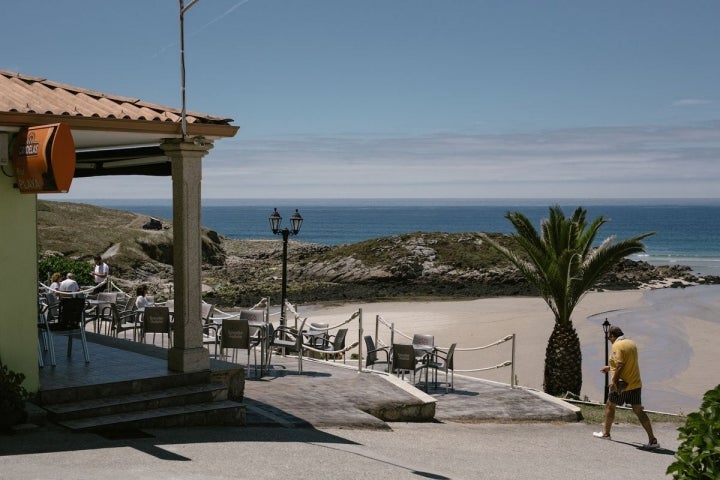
123,321
100,313
404,361
258,333
235,334
157,320
335,344
210,328
71,321
256,320
423,342
284,338
45,340
442,361
317,335
371,358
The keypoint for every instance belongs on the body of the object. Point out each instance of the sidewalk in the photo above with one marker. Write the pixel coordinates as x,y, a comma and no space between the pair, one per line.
326,394
331,394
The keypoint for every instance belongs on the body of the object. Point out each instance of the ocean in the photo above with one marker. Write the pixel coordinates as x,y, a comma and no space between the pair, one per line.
686,230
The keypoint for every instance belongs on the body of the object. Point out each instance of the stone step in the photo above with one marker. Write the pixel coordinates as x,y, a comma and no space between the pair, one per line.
225,412
125,387
116,404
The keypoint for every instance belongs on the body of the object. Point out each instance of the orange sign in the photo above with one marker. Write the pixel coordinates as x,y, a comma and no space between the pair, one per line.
44,159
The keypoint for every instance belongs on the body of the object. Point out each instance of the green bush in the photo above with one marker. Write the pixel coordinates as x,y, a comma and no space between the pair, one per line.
698,456
49,264
12,398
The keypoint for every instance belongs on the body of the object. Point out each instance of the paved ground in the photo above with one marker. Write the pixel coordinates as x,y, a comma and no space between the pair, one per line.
336,395
559,451
326,394
313,426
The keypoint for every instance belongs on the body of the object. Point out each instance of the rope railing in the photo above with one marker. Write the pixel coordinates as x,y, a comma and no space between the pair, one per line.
319,328
262,303
78,292
290,308
497,342
221,315
379,320
118,289
309,347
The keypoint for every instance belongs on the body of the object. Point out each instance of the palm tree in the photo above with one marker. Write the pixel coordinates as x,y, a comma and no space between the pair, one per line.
563,265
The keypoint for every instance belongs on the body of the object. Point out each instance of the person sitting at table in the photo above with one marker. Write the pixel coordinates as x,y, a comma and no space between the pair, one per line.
55,285
69,285
141,301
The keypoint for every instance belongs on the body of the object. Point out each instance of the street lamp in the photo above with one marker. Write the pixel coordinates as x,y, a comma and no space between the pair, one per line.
295,222
606,329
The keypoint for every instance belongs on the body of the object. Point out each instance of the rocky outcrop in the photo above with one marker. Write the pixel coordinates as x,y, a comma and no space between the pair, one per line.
240,272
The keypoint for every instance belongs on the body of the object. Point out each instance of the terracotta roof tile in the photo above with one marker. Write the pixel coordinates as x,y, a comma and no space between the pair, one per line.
26,94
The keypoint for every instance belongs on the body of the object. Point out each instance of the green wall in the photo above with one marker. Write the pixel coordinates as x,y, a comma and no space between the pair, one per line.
18,281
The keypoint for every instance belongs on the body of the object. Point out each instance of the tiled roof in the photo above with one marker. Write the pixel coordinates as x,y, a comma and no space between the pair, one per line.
25,94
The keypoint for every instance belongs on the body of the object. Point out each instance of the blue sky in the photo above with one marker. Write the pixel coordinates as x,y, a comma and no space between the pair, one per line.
406,98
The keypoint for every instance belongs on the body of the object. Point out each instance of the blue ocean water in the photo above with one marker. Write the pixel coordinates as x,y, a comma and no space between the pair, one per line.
687,231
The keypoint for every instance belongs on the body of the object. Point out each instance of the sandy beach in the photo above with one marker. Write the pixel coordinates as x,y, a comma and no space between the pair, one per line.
676,331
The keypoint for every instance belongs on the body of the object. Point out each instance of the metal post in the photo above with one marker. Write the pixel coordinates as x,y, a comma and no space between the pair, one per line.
285,235
183,8
512,366
377,330
606,327
360,343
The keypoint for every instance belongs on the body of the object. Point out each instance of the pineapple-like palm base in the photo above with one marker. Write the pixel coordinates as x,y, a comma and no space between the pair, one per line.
563,361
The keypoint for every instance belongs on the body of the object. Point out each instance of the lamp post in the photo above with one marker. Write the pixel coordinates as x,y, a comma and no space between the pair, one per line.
606,328
295,223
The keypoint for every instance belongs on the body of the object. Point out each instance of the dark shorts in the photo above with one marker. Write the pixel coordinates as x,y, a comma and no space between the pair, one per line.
627,397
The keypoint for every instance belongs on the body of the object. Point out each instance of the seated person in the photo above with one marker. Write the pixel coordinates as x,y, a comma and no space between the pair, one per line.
55,285
141,301
69,284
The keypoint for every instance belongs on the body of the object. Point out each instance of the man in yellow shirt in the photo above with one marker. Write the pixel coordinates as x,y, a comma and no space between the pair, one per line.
625,385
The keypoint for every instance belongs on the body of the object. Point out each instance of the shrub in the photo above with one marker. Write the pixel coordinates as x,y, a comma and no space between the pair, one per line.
698,456
12,398
49,264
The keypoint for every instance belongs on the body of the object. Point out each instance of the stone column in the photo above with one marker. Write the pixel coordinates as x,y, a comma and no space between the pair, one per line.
188,353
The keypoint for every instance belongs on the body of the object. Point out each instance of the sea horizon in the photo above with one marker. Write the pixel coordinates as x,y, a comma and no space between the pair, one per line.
685,233
406,201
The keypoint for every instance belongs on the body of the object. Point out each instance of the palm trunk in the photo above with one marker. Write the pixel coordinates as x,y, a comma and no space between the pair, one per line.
563,361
